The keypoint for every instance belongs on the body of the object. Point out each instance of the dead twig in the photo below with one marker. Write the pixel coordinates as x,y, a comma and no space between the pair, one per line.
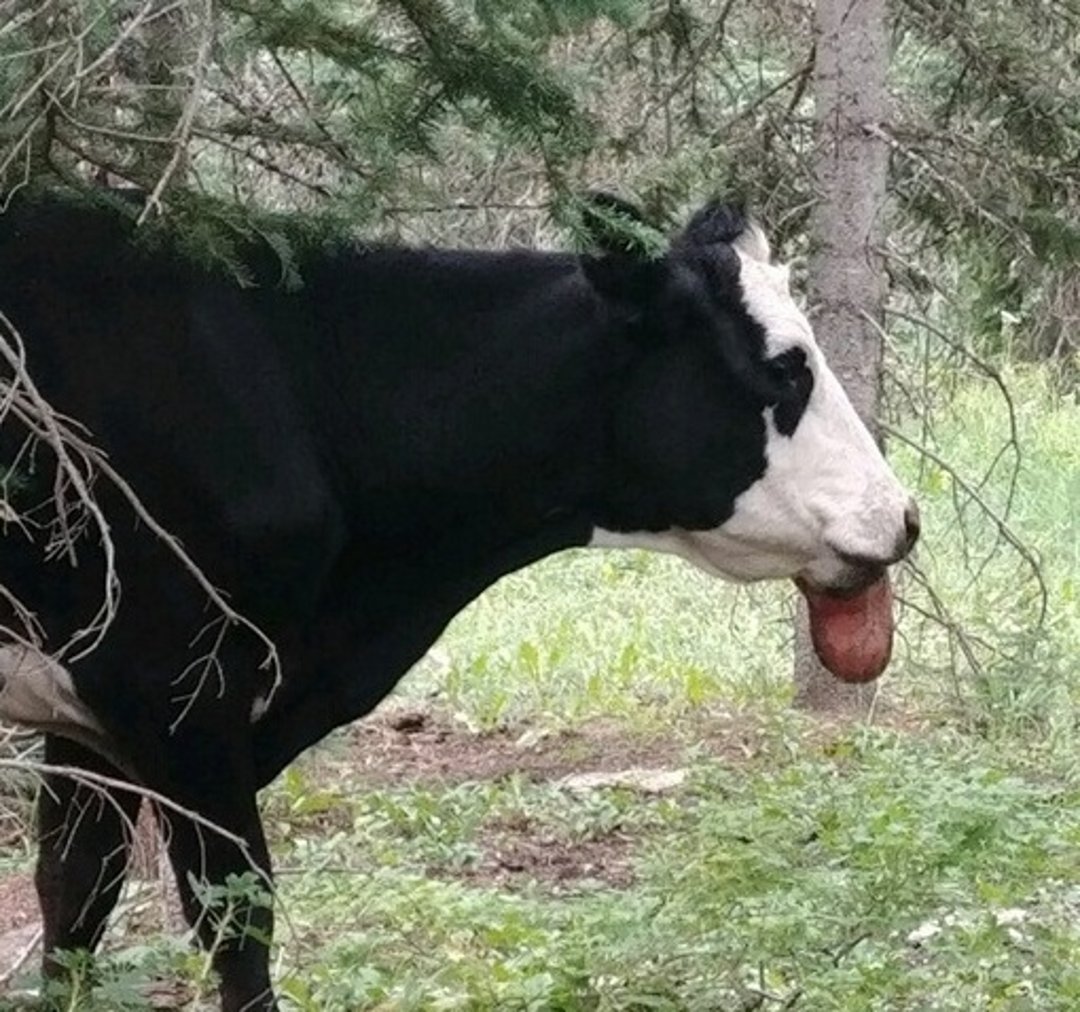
21,959
187,116
999,521
93,779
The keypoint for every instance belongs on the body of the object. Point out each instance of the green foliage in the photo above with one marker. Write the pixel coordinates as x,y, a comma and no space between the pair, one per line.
271,102
594,224
443,57
985,148
1053,238
87,984
851,871
813,877
389,114
1009,671
117,981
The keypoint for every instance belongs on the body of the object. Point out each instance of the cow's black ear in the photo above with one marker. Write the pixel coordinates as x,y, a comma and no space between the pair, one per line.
628,282
716,222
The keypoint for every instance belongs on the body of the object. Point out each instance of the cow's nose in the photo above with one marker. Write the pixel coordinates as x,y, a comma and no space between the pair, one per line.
912,525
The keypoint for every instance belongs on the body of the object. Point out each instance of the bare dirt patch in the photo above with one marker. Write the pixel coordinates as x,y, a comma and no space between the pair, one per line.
19,924
397,746
18,901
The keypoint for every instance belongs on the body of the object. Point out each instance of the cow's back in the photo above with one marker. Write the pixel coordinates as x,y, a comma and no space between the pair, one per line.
175,372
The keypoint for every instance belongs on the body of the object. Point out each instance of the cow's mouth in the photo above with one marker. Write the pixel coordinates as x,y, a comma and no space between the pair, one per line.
852,628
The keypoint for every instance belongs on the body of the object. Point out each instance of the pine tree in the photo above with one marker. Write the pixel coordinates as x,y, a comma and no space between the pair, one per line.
283,104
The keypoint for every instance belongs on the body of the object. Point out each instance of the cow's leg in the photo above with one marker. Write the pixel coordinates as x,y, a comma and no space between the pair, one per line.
84,833
234,922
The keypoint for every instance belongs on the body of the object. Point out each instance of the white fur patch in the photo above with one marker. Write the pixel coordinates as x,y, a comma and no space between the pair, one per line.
259,706
37,692
754,243
767,297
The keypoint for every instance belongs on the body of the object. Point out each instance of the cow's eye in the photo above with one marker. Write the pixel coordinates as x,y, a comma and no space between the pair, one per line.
787,370
792,383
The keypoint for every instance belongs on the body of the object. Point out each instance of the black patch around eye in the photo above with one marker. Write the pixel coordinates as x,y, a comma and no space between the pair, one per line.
793,382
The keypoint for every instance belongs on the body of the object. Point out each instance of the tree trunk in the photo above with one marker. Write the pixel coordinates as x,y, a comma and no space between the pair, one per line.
847,279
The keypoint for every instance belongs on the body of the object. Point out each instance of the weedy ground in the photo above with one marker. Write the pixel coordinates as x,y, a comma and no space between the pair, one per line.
729,853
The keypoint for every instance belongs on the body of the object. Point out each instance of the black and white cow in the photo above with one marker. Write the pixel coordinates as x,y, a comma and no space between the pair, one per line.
355,460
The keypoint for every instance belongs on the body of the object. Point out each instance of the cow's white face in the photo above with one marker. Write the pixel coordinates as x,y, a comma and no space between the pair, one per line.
812,497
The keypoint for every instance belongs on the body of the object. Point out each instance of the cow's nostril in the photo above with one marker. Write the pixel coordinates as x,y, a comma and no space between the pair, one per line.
912,526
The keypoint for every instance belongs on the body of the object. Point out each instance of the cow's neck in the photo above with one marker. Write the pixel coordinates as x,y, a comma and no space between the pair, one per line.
480,422
377,639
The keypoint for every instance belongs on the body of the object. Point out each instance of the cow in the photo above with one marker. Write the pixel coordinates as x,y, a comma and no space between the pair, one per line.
352,458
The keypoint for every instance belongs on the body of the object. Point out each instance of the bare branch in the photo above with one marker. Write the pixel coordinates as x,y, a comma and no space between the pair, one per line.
993,515
184,127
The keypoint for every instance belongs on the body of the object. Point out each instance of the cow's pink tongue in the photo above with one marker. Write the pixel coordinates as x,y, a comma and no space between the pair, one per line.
852,635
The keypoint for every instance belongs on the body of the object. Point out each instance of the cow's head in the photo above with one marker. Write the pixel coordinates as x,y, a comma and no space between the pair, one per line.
732,443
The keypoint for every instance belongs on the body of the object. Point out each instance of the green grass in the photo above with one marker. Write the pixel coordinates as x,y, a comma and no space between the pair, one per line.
830,868
811,870
1025,677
